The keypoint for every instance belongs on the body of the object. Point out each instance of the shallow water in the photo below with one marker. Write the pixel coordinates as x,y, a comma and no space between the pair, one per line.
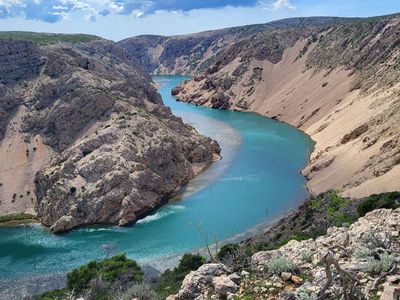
257,179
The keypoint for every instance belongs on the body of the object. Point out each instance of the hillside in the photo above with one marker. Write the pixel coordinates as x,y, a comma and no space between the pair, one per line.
194,53
336,79
85,137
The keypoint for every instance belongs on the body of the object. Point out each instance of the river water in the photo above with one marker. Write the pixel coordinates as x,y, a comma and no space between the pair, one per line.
258,179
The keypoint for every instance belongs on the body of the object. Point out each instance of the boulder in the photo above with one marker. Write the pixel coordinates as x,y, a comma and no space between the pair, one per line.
224,285
198,282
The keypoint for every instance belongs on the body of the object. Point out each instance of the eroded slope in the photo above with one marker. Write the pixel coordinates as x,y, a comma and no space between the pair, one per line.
337,82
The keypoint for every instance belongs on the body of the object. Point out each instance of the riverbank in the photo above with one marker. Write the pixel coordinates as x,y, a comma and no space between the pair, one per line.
347,109
17,219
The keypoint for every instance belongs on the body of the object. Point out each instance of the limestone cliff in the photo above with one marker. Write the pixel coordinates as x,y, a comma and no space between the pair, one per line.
336,79
85,137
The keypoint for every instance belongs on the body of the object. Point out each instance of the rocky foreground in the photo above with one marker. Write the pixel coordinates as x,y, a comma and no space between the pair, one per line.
85,137
334,78
360,261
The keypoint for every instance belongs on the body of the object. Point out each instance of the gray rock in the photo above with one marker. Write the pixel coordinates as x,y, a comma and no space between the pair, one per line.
119,152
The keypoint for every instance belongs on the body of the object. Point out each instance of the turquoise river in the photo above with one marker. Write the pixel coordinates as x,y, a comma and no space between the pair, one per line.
258,179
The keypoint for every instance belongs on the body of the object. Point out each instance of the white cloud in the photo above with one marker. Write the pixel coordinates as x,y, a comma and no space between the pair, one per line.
276,4
283,4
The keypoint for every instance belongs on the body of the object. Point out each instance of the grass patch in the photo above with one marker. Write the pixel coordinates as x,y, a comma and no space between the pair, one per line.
16,217
47,38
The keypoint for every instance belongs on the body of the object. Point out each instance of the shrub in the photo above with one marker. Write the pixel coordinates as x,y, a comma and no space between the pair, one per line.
303,295
362,252
383,264
140,291
306,256
226,251
109,270
171,280
386,200
279,265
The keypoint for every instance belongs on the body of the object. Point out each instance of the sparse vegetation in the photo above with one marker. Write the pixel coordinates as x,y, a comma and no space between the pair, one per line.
16,217
381,264
306,256
171,280
47,38
141,291
279,265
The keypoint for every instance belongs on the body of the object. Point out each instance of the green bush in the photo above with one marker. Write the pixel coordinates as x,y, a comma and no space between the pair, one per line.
139,291
306,256
386,200
109,270
226,251
383,264
279,265
171,280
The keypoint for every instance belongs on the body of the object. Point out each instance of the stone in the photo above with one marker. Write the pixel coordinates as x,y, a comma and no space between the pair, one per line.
223,284
197,282
390,292
244,273
286,276
268,284
235,278
278,285
296,280
263,257
393,279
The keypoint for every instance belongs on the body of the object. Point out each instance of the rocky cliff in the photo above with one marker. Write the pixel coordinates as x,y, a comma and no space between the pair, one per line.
192,54
85,137
359,261
336,79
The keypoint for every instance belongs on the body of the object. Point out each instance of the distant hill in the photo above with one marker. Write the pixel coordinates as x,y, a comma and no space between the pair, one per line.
47,38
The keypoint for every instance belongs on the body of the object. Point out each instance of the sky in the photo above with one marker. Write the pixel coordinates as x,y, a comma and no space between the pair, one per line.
119,19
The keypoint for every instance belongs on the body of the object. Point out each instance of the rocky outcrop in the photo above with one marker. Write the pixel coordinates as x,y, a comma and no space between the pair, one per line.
19,60
209,279
335,80
118,152
367,252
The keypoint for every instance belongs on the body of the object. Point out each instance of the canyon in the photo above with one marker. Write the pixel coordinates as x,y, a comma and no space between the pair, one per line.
334,78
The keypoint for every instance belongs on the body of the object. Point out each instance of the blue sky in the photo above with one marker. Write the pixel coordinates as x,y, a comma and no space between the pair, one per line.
117,19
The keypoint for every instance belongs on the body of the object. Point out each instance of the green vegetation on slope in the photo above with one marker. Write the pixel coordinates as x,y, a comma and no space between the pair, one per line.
16,217
119,276
171,280
96,279
47,38
318,214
